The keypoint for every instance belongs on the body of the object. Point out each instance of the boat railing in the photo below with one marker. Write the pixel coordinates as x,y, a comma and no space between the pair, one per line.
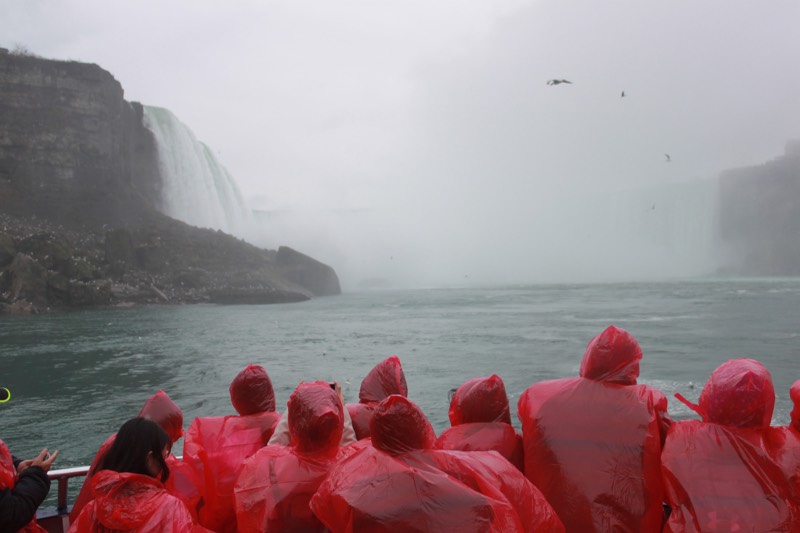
56,519
62,477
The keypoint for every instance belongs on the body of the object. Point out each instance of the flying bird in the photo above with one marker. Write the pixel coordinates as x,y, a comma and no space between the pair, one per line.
668,158
622,95
556,82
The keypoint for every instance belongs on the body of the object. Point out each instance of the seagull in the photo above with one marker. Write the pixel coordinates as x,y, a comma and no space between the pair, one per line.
668,158
556,82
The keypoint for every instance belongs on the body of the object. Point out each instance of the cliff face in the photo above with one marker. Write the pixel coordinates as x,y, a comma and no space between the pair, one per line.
760,216
72,150
79,182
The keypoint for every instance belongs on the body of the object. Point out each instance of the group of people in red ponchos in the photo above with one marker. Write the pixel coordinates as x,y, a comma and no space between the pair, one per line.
597,453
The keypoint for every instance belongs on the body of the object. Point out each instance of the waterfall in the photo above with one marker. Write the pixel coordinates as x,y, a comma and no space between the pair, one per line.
196,187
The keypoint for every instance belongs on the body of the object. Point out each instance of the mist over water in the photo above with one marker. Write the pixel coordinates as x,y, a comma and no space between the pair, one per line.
462,166
655,232
647,233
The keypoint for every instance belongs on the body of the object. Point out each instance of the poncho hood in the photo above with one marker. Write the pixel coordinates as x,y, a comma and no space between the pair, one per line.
251,391
480,400
398,425
794,394
125,501
739,393
163,411
612,357
385,379
316,418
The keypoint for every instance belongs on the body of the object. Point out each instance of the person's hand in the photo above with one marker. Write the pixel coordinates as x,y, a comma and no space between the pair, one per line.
338,389
44,460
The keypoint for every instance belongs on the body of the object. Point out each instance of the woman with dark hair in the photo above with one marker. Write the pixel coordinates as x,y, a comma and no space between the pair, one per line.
127,488
143,450
163,411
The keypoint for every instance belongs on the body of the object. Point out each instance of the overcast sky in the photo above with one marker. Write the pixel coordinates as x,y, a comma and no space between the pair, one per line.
419,139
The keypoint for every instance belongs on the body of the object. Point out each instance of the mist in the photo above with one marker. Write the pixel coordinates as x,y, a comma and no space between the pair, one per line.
420,145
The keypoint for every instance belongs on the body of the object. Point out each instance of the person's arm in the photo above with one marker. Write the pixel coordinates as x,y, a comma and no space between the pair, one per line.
281,433
348,433
18,505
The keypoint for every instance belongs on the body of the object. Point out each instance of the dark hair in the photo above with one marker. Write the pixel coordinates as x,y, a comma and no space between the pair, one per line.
137,438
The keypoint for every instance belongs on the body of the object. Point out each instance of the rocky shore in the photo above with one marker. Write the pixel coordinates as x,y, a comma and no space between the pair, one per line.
46,267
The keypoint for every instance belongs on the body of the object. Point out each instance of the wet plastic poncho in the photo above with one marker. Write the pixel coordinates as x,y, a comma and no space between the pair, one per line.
593,443
275,484
163,411
402,484
251,391
8,474
718,476
385,379
480,418
215,447
783,443
8,479
131,502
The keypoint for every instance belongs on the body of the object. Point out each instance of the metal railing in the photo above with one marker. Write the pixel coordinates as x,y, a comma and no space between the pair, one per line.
62,476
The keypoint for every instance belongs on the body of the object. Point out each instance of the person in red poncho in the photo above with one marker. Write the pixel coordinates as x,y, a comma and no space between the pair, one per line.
593,443
275,484
401,483
23,487
163,411
385,379
718,475
481,420
128,489
215,447
783,443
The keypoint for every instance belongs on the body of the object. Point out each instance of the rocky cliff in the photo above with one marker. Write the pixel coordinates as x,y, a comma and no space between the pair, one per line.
79,180
760,216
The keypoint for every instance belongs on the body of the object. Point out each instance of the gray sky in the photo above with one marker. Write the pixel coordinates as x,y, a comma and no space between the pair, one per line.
419,141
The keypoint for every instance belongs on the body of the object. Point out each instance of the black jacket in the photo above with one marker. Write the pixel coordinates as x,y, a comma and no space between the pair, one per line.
18,505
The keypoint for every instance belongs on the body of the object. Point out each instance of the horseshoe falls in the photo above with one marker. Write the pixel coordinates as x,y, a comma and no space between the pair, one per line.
196,188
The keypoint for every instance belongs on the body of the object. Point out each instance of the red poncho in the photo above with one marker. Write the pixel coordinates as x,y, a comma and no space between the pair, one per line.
401,484
783,443
385,379
215,448
251,391
163,411
479,414
718,475
276,483
593,443
131,502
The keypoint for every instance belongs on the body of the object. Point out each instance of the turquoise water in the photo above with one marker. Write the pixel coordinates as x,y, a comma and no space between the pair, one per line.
76,377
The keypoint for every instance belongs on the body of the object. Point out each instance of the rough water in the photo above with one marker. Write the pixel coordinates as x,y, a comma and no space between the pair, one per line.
76,377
